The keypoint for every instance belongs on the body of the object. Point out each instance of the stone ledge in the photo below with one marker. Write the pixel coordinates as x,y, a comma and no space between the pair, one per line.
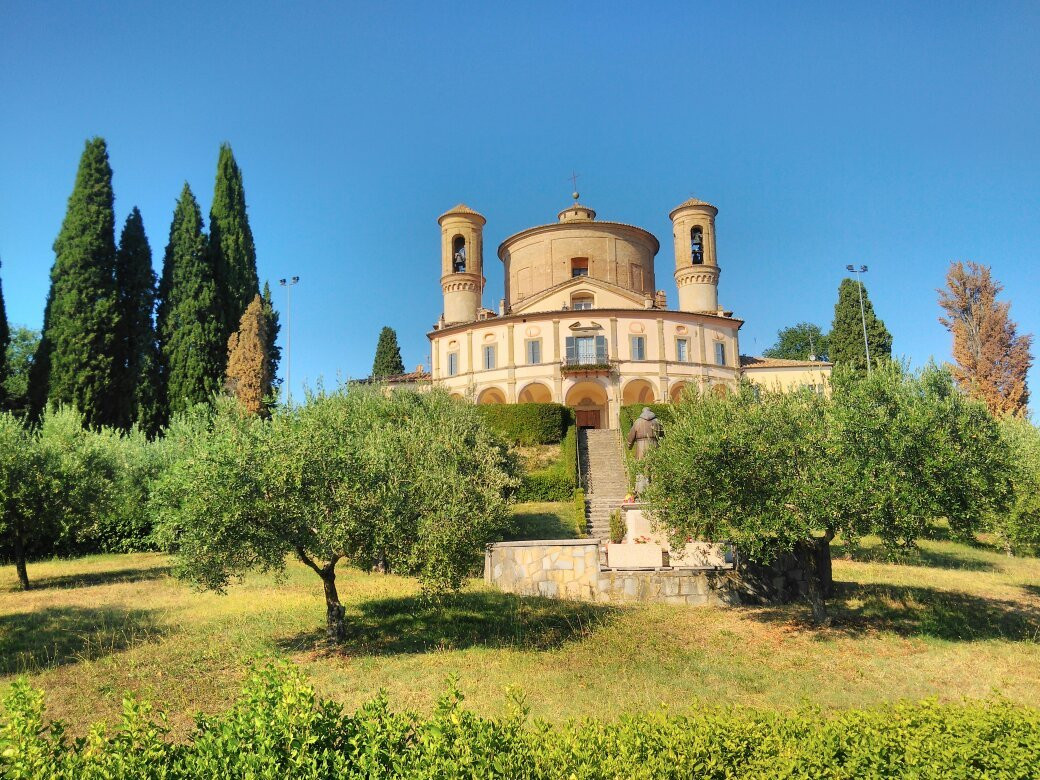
546,543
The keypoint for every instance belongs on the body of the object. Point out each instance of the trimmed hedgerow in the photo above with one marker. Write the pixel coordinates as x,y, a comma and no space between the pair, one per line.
557,481
278,728
528,423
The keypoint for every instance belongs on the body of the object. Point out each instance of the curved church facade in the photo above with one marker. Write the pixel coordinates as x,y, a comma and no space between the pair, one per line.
581,322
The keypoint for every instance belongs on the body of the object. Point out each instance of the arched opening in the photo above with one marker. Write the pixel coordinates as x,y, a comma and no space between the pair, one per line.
535,393
458,396
697,245
638,391
458,255
491,395
589,401
678,391
582,301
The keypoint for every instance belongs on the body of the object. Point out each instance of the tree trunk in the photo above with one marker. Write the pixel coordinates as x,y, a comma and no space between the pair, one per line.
19,562
818,579
336,626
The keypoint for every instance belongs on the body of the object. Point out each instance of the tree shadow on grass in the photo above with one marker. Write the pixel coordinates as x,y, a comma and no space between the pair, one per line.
414,625
33,641
915,611
1032,589
920,556
90,579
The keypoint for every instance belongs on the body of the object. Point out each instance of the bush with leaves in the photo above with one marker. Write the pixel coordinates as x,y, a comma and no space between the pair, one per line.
412,482
1019,527
776,473
280,728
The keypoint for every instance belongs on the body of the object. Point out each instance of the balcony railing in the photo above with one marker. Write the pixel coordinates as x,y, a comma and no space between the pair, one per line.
588,364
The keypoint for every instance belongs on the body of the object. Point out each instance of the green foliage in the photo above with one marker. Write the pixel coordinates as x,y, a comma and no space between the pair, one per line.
21,349
5,341
1019,526
193,345
528,423
232,252
278,727
76,363
887,455
274,352
618,527
800,342
388,355
413,482
55,483
846,337
557,481
580,521
137,355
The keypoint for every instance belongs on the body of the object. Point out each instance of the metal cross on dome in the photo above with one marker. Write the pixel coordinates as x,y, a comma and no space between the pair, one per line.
574,184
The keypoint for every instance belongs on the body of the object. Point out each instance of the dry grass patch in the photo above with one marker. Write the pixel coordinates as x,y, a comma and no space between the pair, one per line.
953,621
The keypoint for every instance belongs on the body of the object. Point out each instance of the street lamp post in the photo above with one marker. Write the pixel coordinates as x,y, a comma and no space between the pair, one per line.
862,312
288,285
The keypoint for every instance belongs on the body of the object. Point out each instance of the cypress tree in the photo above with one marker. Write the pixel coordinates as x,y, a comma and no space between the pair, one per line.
76,361
231,241
846,337
190,323
5,340
138,355
274,352
247,377
388,355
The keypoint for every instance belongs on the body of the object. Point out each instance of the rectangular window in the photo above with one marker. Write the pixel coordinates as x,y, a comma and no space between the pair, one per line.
586,350
453,363
720,353
534,352
682,350
638,347
579,266
489,357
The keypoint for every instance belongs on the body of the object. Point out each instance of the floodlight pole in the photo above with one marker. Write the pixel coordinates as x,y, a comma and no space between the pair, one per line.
288,285
862,312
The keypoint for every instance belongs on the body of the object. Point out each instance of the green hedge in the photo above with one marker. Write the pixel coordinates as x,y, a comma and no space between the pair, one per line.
555,482
278,728
528,423
580,521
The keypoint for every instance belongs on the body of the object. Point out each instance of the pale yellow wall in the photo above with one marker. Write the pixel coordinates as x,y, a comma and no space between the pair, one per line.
660,369
602,298
788,378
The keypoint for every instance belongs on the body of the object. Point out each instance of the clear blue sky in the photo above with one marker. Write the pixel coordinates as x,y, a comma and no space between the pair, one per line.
902,136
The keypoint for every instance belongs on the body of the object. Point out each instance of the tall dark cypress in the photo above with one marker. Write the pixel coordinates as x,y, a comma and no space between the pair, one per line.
138,350
193,348
76,362
231,241
846,337
274,352
388,355
5,339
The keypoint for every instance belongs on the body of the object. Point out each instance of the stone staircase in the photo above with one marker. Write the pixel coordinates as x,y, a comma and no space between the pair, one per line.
604,478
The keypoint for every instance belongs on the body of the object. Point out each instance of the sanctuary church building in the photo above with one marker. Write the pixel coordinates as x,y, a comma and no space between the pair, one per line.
582,322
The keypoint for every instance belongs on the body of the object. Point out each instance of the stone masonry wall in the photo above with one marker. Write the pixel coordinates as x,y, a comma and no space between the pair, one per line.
564,568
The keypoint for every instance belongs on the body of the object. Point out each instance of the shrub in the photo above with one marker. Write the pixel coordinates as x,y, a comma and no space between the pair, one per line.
527,423
618,527
555,482
279,728
580,521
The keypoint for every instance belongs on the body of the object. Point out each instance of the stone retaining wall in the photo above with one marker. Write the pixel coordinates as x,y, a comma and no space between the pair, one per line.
571,569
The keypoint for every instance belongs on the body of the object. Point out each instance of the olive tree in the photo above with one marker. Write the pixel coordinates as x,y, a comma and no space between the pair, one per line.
1019,526
776,473
56,482
357,475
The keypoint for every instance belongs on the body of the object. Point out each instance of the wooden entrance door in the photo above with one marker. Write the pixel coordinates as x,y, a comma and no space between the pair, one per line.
587,418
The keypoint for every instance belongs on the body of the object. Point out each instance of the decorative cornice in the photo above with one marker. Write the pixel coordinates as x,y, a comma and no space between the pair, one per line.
461,282
707,274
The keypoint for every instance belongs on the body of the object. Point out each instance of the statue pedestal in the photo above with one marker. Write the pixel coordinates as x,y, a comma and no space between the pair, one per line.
645,547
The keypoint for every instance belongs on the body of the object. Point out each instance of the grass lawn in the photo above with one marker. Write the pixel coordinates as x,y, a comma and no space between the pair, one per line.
954,621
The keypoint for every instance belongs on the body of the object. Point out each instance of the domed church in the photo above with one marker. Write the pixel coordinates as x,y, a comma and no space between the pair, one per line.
582,322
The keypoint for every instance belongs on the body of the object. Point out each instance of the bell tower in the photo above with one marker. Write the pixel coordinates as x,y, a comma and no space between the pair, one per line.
462,263
696,266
